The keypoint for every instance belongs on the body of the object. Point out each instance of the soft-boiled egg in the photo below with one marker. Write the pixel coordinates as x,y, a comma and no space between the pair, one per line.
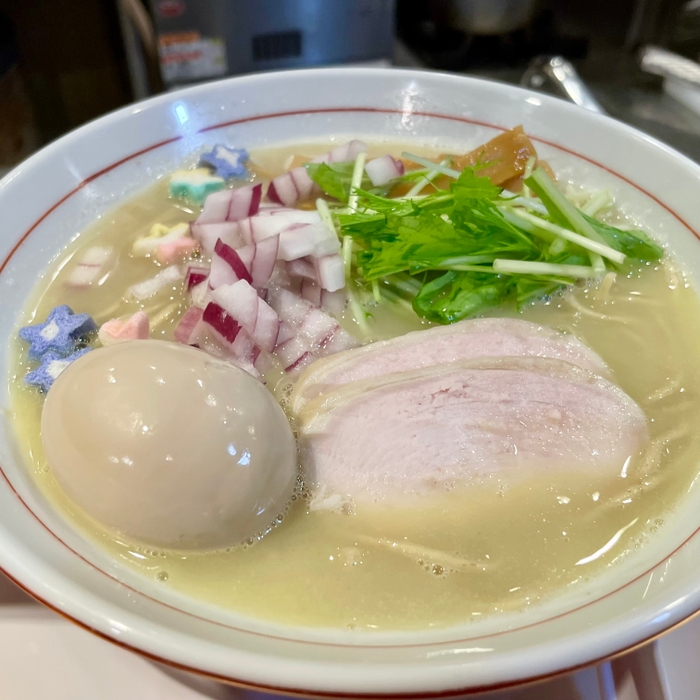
169,445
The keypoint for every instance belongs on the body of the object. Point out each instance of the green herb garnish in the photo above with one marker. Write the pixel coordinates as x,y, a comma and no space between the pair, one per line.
456,253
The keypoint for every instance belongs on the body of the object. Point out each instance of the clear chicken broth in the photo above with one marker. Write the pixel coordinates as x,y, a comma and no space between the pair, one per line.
488,547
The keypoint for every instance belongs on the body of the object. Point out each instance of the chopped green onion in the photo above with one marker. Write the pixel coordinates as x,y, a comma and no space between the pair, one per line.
426,180
356,180
525,267
597,263
358,313
558,206
325,213
597,203
581,241
432,166
529,167
396,298
347,256
514,200
557,246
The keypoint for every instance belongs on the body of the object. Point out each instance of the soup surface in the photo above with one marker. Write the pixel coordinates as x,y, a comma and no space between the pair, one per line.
496,544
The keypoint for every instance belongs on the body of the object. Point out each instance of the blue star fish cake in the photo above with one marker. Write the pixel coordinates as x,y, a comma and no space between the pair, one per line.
58,333
52,364
226,162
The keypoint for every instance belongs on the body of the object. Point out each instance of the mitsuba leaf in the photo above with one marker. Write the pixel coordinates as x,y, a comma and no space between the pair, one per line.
636,244
469,187
454,296
333,180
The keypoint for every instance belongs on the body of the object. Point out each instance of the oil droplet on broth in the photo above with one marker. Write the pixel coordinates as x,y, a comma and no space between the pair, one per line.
516,529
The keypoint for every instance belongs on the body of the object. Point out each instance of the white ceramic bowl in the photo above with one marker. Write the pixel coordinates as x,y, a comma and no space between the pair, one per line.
48,199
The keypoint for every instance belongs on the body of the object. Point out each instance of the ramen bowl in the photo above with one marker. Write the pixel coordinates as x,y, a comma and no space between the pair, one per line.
53,195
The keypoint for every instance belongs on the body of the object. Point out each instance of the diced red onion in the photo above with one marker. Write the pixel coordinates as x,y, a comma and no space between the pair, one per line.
324,238
317,333
243,304
334,302
289,307
272,209
267,327
244,347
227,267
225,353
331,272
291,351
223,325
306,187
383,170
292,187
216,207
342,154
264,259
189,327
283,190
196,274
295,242
266,207
254,263
231,205
318,327
228,231
311,291
199,294
245,202
263,227
285,333
306,359
300,240
339,341
302,267
240,301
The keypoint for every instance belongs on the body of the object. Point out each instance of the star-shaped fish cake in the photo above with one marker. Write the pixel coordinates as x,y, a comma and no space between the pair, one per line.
226,162
58,333
52,364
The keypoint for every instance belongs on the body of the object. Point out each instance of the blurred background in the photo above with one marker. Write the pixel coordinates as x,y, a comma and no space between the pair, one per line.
64,63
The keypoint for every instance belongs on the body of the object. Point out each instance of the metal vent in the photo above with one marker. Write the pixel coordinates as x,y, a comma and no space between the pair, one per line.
270,47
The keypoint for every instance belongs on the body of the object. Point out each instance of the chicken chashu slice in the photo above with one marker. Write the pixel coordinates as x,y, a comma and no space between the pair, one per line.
483,337
432,428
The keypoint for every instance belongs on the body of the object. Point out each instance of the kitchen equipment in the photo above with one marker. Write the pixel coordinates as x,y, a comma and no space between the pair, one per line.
213,38
558,73
653,59
681,75
490,17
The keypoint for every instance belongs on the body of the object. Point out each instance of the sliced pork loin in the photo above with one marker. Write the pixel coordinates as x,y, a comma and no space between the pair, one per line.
431,428
485,337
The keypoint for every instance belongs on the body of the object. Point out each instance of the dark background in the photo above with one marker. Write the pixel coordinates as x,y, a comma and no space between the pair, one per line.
63,62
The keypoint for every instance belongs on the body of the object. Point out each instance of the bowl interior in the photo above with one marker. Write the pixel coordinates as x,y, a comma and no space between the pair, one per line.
52,196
